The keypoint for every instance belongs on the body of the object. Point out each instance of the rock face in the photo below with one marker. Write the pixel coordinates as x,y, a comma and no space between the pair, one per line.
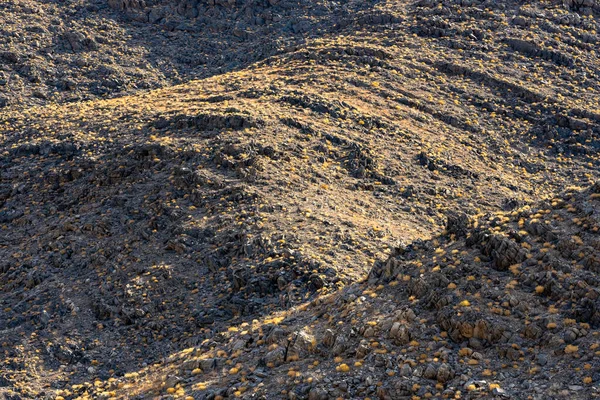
79,42
501,250
122,5
588,6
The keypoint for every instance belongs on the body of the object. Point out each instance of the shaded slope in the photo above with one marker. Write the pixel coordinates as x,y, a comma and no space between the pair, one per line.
75,50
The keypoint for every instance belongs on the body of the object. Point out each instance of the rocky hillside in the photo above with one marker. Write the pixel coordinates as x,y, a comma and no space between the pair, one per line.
502,305
221,237
76,50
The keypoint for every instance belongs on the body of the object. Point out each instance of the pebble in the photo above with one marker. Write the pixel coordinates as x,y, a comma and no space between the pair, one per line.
500,392
542,359
405,370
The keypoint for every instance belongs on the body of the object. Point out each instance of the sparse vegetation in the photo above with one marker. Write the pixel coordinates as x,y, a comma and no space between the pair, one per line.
360,200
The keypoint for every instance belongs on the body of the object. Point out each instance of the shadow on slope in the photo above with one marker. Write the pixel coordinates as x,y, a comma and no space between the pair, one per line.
496,305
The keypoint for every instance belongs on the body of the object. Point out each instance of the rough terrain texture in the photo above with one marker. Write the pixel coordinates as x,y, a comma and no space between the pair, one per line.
226,237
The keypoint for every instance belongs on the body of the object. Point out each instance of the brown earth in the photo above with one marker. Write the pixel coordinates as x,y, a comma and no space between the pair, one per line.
213,239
